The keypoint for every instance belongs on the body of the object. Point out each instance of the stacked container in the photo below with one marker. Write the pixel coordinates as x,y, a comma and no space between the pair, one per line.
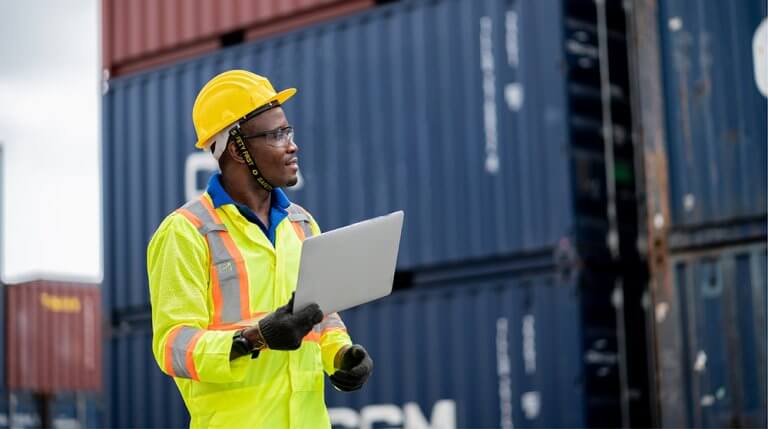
712,332
503,129
52,357
141,34
449,110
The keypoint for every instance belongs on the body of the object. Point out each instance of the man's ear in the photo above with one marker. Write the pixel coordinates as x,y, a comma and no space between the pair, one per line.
233,153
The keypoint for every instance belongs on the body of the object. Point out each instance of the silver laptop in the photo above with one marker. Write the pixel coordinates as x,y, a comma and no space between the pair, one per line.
349,266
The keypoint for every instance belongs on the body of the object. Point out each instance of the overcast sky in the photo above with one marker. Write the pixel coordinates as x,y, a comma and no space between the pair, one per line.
49,129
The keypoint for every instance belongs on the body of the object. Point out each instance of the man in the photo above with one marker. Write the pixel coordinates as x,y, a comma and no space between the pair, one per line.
222,270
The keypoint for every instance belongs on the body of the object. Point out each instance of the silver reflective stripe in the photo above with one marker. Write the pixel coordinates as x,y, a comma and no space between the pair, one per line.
329,322
297,214
229,280
208,227
223,263
197,209
179,351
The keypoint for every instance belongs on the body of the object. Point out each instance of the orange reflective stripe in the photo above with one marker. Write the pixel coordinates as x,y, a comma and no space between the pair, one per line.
299,230
312,336
331,322
179,352
192,218
333,329
190,357
218,299
168,359
255,317
216,289
234,252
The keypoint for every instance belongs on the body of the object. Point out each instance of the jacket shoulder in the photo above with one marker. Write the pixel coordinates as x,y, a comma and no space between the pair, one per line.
176,224
312,220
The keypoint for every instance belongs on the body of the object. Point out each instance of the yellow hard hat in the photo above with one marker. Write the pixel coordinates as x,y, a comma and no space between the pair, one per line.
228,98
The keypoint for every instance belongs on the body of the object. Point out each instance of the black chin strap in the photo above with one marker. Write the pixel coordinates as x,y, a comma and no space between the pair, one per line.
235,135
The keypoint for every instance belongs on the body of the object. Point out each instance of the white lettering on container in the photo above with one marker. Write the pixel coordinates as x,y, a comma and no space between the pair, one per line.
489,97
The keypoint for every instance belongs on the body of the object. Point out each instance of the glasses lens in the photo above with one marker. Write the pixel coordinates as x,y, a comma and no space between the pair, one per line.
283,137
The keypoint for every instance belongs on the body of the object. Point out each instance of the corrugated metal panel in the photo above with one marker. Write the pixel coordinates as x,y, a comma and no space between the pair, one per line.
69,317
389,116
490,354
718,321
716,130
139,394
527,349
140,34
20,410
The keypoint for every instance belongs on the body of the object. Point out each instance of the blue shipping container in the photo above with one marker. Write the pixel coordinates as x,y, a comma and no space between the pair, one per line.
455,111
139,395
718,328
716,133
20,410
526,349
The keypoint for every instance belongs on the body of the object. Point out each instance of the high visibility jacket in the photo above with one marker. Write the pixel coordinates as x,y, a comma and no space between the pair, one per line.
211,272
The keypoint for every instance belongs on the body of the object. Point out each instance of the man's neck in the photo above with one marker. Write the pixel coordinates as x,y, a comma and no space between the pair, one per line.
247,192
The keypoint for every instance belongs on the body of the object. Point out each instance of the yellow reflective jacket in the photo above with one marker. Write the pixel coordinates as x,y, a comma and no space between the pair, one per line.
211,272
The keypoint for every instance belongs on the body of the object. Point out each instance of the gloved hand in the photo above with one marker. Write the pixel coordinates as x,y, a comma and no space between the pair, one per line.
284,330
354,368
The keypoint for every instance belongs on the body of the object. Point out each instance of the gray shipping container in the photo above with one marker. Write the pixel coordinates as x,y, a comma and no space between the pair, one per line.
714,354
520,348
716,118
484,127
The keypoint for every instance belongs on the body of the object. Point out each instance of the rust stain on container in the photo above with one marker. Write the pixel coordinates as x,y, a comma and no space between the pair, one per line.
142,34
53,333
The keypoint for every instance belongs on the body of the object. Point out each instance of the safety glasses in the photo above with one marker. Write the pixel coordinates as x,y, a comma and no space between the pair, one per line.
279,138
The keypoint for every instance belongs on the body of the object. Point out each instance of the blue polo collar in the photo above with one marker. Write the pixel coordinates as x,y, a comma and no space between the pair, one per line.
277,212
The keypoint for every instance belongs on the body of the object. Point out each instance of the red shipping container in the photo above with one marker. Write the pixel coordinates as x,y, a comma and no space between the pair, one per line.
141,34
53,333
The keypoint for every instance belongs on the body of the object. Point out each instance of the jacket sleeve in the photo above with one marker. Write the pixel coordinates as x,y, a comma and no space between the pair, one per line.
333,336
177,265
332,331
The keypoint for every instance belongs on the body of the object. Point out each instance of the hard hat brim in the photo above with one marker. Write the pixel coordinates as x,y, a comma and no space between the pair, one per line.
281,97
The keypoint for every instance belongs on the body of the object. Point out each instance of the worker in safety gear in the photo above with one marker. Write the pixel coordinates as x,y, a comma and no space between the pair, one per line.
222,269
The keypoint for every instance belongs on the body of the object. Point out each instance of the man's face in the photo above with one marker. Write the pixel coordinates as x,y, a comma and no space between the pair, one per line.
276,159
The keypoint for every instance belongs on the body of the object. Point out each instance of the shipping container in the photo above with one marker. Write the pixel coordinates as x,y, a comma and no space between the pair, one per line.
53,334
701,125
486,130
141,34
138,394
713,339
21,410
716,116
3,289
510,347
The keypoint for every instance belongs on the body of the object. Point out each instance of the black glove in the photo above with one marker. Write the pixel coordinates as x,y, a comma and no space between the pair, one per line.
356,365
284,330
